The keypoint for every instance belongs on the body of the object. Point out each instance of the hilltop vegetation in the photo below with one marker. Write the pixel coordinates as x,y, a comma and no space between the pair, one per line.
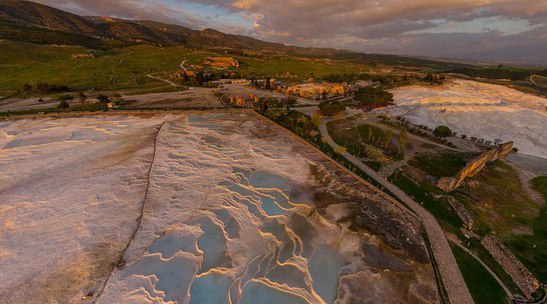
500,72
32,22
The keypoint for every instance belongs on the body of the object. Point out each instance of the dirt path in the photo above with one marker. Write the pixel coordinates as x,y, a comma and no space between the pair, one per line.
448,268
165,80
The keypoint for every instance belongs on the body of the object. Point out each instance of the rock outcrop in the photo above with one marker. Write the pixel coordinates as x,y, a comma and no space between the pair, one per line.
512,266
474,166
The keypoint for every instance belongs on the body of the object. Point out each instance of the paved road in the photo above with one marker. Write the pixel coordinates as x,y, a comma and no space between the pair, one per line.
448,268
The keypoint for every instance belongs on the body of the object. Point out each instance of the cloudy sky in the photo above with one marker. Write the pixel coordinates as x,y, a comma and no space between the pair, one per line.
494,30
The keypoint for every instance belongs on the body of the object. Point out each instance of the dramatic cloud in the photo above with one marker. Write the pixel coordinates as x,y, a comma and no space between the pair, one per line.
449,28
131,9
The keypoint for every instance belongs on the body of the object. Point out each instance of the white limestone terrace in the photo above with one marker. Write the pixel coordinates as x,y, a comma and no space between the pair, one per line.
70,191
234,213
478,109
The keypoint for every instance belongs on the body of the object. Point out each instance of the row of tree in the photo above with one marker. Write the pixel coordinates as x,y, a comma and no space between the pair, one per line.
45,88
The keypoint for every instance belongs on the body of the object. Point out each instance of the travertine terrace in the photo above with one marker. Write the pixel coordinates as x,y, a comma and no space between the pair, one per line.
481,110
194,208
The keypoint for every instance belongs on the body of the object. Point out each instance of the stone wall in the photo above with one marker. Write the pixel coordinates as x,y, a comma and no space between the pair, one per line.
474,166
512,266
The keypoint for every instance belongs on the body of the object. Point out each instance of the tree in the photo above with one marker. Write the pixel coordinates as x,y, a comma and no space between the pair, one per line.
443,131
63,105
316,120
42,87
389,137
373,97
289,102
403,140
331,108
464,136
27,87
374,153
82,96
118,97
264,106
103,98
65,97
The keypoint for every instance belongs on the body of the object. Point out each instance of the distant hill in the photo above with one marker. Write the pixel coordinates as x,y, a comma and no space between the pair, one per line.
30,14
37,23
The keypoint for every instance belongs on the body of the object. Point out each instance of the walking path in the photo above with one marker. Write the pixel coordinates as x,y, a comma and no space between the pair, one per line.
448,268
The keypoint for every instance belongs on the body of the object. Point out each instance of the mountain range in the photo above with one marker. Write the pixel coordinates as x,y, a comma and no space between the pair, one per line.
32,22
30,15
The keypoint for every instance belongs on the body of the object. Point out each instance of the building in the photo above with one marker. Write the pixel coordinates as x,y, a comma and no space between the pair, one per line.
317,90
222,62
230,81
183,74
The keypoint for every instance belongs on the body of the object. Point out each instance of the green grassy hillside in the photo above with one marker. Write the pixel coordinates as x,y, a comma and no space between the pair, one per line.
127,67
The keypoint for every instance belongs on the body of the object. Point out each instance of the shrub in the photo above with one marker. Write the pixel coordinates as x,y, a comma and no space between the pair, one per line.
290,102
118,97
63,105
83,97
374,153
374,97
103,98
27,87
443,131
331,108
316,120
43,87
65,97
340,150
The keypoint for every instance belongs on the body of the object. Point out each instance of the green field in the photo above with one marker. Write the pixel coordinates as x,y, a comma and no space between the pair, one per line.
483,287
498,202
532,249
447,218
127,67
439,164
122,68
354,138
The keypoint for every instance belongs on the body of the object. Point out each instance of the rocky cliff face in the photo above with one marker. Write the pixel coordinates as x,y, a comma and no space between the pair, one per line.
474,166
